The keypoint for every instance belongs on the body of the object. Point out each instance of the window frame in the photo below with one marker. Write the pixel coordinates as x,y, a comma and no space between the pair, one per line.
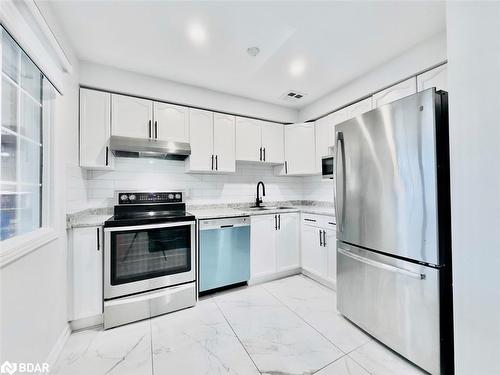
21,244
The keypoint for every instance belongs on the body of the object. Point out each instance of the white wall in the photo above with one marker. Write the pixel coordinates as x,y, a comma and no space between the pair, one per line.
416,59
108,78
474,80
33,288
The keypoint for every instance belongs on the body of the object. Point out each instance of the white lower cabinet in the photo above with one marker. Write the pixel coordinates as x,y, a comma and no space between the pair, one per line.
319,248
274,245
85,272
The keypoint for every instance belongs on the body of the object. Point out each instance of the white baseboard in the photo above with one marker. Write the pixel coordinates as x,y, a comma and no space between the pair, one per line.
58,346
320,280
85,323
273,276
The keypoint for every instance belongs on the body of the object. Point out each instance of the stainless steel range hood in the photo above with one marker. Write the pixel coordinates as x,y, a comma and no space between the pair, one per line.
148,148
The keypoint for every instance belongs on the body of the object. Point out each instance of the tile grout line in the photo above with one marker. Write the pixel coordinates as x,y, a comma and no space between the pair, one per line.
236,335
305,321
151,346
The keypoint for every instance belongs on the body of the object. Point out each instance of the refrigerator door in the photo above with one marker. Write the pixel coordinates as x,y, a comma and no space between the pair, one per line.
386,179
395,301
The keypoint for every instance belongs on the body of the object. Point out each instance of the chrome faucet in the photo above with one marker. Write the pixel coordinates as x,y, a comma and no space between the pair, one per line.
258,201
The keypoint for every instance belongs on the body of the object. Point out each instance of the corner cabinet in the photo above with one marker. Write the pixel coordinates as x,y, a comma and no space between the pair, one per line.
275,249
325,135
393,93
300,150
85,272
95,129
259,141
212,139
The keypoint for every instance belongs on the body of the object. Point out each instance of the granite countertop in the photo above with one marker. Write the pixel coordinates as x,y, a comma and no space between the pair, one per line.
97,217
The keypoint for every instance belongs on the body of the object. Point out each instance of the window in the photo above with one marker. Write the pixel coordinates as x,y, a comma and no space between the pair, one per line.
21,169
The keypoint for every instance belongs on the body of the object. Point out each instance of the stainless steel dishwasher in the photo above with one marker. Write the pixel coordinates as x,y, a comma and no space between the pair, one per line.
224,252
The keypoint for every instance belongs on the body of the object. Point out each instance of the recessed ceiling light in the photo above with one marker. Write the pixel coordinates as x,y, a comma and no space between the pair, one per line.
197,33
297,67
253,51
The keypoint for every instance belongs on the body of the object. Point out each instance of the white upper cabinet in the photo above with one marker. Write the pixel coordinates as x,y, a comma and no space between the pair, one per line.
201,129
171,122
398,91
273,147
358,108
299,149
437,77
325,134
224,143
248,139
131,117
95,129
260,141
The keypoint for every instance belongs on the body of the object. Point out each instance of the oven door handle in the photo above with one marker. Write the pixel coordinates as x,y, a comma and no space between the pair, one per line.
150,226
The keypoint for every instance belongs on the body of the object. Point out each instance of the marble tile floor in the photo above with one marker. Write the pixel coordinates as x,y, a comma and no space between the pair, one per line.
287,326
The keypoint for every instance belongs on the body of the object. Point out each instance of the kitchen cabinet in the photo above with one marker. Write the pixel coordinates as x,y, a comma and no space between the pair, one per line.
273,142
212,140
437,77
131,116
300,150
398,91
224,143
274,245
319,248
85,276
358,108
259,141
171,122
325,134
95,129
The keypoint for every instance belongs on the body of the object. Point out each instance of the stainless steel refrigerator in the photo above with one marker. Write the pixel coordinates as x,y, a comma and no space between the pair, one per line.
392,197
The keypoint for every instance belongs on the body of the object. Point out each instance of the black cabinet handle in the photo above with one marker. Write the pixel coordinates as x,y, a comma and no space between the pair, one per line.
260,157
264,154
324,238
150,129
279,222
216,163
156,129
310,220
107,151
98,240
286,167
212,162
320,239
275,222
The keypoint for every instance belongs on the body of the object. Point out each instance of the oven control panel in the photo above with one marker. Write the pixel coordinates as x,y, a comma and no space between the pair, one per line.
149,197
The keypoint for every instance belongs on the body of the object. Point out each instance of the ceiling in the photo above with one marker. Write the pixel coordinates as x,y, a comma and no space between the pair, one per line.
205,43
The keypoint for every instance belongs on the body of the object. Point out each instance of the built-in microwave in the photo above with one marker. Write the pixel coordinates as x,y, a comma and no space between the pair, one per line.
327,167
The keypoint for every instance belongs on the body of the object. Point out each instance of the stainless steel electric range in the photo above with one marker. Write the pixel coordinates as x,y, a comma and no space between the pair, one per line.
149,257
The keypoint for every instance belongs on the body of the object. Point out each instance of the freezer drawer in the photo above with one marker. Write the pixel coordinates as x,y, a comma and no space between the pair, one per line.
395,301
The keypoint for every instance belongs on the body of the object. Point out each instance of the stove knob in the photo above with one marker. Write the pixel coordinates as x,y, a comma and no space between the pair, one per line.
170,196
132,197
123,197
177,196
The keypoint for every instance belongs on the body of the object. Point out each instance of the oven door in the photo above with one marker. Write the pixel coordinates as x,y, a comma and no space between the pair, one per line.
146,257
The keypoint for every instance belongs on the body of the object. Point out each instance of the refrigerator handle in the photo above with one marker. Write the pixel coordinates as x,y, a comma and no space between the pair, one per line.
340,213
384,266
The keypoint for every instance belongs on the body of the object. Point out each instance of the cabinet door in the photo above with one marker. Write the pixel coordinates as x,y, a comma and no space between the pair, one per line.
262,246
248,139
86,272
273,142
300,153
287,242
224,148
325,135
201,130
95,129
437,77
131,117
331,249
313,255
358,108
171,122
395,92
